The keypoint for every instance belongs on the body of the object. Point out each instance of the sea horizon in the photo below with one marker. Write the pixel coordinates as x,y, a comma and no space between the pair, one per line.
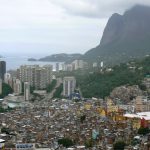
14,62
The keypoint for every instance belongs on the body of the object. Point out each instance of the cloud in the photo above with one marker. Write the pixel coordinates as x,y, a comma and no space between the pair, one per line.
58,25
96,8
27,13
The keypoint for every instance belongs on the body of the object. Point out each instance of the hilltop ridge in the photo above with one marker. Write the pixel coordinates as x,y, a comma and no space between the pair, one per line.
125,37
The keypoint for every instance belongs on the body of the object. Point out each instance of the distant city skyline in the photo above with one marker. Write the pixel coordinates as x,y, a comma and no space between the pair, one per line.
44,27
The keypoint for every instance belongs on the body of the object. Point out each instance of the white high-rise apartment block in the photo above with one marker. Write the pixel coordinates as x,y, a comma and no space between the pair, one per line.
57,67
78,64
7,78
69,85
27,73
38,77
102,64
26,91
49,75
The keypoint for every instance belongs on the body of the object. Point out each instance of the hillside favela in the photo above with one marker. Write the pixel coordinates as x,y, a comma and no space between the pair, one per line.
74,75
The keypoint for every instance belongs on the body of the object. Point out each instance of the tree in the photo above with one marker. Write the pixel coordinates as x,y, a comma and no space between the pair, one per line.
142,87
82,118
5,130
58,92
119,145
6,89
88,143
2,110
51,86
66,142
100,85
143,131
10,145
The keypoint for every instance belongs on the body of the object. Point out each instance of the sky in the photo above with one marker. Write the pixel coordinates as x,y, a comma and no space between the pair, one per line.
39,28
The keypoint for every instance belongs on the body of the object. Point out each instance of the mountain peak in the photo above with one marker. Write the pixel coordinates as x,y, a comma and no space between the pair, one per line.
125,36
112,28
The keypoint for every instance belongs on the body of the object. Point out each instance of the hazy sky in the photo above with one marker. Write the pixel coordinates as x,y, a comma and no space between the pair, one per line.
44,27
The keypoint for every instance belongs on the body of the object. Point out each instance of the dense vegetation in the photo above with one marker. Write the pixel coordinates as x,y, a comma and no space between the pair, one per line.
93,83
32,88
5,130
119,145
89,143
143,131
2,110
51,86
101,84
61,57
58,92
66,142
6,89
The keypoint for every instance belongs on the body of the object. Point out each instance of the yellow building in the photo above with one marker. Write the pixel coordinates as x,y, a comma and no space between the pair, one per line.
111,108
110,102
87,106
102,112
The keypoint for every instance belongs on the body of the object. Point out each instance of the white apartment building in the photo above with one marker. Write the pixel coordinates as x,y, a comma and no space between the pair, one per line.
7,78
17,86
69,85
75,65
49,73
57,67
27,72
78,64
38,77
26,91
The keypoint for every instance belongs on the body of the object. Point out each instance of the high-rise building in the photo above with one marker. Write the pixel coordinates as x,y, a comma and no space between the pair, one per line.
2,69
49,75
57,67
7,78
63,67
1,88
68,67
69,85
26,91
38,77
17,86
78,64
27,73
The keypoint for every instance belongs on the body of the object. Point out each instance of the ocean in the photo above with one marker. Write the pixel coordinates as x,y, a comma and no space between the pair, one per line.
12,63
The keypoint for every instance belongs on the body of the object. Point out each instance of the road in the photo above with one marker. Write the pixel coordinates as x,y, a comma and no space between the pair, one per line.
50,95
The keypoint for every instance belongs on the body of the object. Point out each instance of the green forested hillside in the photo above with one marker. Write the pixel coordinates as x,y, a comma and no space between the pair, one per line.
101,84
6,90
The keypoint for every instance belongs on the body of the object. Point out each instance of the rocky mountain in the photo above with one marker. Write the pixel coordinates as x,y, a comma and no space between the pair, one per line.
126,93
61,57
125,37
